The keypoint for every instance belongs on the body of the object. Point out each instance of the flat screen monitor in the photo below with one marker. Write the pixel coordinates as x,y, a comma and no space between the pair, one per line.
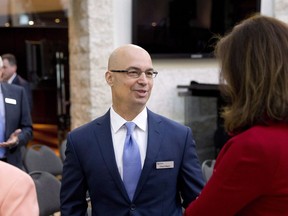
185,28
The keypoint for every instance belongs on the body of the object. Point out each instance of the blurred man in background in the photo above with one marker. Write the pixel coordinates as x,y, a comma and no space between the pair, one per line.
15,122
10,75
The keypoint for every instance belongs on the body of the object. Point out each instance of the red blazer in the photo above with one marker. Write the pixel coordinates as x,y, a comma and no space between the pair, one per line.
250,176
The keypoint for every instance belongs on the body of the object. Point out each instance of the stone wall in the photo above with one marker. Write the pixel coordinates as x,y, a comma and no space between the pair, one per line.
281,10
90,42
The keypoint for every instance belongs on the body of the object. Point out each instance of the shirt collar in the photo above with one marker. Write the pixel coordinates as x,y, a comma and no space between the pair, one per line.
117,121
11,78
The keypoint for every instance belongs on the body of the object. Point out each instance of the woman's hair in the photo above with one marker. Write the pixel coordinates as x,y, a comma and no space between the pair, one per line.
254,73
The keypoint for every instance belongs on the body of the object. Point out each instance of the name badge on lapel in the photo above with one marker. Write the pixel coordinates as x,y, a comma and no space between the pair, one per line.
164,164
10,101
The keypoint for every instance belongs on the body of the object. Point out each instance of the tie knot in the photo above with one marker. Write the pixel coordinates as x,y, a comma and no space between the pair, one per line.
130,127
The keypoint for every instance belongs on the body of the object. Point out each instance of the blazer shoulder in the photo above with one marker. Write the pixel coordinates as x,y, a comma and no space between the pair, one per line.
13,87
14,173
12,90
92,125
22,82
166,122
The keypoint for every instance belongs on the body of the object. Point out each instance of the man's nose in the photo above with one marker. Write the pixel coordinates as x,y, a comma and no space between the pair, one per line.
142,78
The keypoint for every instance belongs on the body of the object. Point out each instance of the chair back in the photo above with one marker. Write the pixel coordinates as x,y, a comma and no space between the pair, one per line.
48,192
207,169
42,158
63,149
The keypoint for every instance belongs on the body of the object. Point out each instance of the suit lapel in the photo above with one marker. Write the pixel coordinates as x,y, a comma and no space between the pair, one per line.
104,138
16,80
8,93
155,136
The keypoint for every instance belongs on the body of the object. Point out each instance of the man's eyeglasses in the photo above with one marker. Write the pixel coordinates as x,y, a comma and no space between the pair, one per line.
135,73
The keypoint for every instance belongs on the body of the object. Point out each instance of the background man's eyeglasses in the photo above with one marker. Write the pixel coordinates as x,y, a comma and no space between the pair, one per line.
134,73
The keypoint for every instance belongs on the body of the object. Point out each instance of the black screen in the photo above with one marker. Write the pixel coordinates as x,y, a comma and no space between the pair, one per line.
185,28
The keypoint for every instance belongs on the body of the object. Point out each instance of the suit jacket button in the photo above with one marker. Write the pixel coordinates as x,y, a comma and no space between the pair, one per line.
132,207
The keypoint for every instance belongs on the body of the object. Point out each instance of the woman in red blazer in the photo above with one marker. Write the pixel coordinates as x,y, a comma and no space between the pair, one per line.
250,175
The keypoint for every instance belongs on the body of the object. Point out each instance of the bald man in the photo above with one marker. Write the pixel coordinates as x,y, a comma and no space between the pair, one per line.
168,175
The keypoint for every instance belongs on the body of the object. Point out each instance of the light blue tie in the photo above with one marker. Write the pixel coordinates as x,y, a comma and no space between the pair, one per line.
2,126
131,161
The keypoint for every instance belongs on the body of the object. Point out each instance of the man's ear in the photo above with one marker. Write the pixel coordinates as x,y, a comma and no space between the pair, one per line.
1,74
109,78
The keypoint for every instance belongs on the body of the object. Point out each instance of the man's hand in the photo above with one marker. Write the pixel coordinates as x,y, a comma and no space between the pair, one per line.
13,139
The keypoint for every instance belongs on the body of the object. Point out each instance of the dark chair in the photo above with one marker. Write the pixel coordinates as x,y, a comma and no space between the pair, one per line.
48,192
42,158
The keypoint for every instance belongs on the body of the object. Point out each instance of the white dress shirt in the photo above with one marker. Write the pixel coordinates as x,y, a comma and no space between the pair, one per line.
2,122
2,107
118,131
11,78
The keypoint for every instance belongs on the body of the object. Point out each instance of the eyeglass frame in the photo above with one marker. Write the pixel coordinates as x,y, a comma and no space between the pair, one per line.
153,75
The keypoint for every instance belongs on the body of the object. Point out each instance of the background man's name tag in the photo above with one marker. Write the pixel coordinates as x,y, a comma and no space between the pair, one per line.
164,164
10,101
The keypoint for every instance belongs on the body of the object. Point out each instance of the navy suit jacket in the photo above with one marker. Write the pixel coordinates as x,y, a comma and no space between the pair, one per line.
18,80
17,115
90,164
